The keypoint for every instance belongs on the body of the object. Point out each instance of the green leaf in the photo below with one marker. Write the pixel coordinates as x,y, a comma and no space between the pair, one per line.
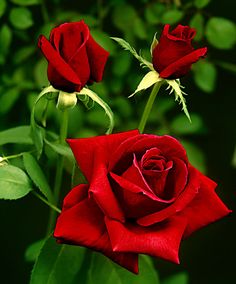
121,64
33,250
94,97
37,131
36,174
205,75
19,135
104,40
23,54
153,12
181,278
221,33
8,99
201,3
197,22
195,155
40,73
124,17
5,42
57,264
127,47
21,18
227,66
3,5
180,126
140,28
14,183
104,271
26,2
172,16
60,149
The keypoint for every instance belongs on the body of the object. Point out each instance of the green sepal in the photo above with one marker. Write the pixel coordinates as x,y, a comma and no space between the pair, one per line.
176,88
94,97
38,132
128,47
148,80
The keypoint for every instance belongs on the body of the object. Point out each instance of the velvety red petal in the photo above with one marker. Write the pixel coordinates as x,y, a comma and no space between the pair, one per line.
79,62
59,82
85,149
97,57
205,208
169,146
77,194
102,192
68,38
162,240
57,62
187,195
134,200
176,180
180,67
184,33
169,51
83,225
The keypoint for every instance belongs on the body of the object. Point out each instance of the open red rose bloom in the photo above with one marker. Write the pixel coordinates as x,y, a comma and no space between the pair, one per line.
142,196
174,55
74,57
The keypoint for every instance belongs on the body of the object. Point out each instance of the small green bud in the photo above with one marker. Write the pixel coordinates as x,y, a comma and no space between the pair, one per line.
66,100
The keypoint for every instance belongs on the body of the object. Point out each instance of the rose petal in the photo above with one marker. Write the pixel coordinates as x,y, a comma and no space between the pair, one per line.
57,62
83,225
162,240
134,200
136,188
169,50
205,208
68,38
85,149
102,191
97,59
180,67
77,194
182,33
181,202
176,180
169,146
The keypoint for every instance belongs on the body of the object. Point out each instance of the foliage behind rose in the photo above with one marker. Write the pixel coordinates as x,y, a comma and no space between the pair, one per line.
142,196
74,57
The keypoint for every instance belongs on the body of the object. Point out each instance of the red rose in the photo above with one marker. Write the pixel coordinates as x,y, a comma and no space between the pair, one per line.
174,54
74,58
142,196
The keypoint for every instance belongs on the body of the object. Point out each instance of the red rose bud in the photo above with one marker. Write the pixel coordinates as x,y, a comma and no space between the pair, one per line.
144,198
74,57
174,54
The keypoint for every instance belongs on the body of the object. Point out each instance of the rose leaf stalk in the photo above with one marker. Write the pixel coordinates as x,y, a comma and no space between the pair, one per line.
59,170
148,106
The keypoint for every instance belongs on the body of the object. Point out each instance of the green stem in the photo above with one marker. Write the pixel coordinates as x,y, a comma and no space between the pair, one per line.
15,156
46,202
59,170
148,106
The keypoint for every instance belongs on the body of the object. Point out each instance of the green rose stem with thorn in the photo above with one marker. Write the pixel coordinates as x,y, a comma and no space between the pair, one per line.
59,170
148,106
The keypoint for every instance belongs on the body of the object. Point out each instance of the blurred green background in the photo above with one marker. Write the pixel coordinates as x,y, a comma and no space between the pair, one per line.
209,255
